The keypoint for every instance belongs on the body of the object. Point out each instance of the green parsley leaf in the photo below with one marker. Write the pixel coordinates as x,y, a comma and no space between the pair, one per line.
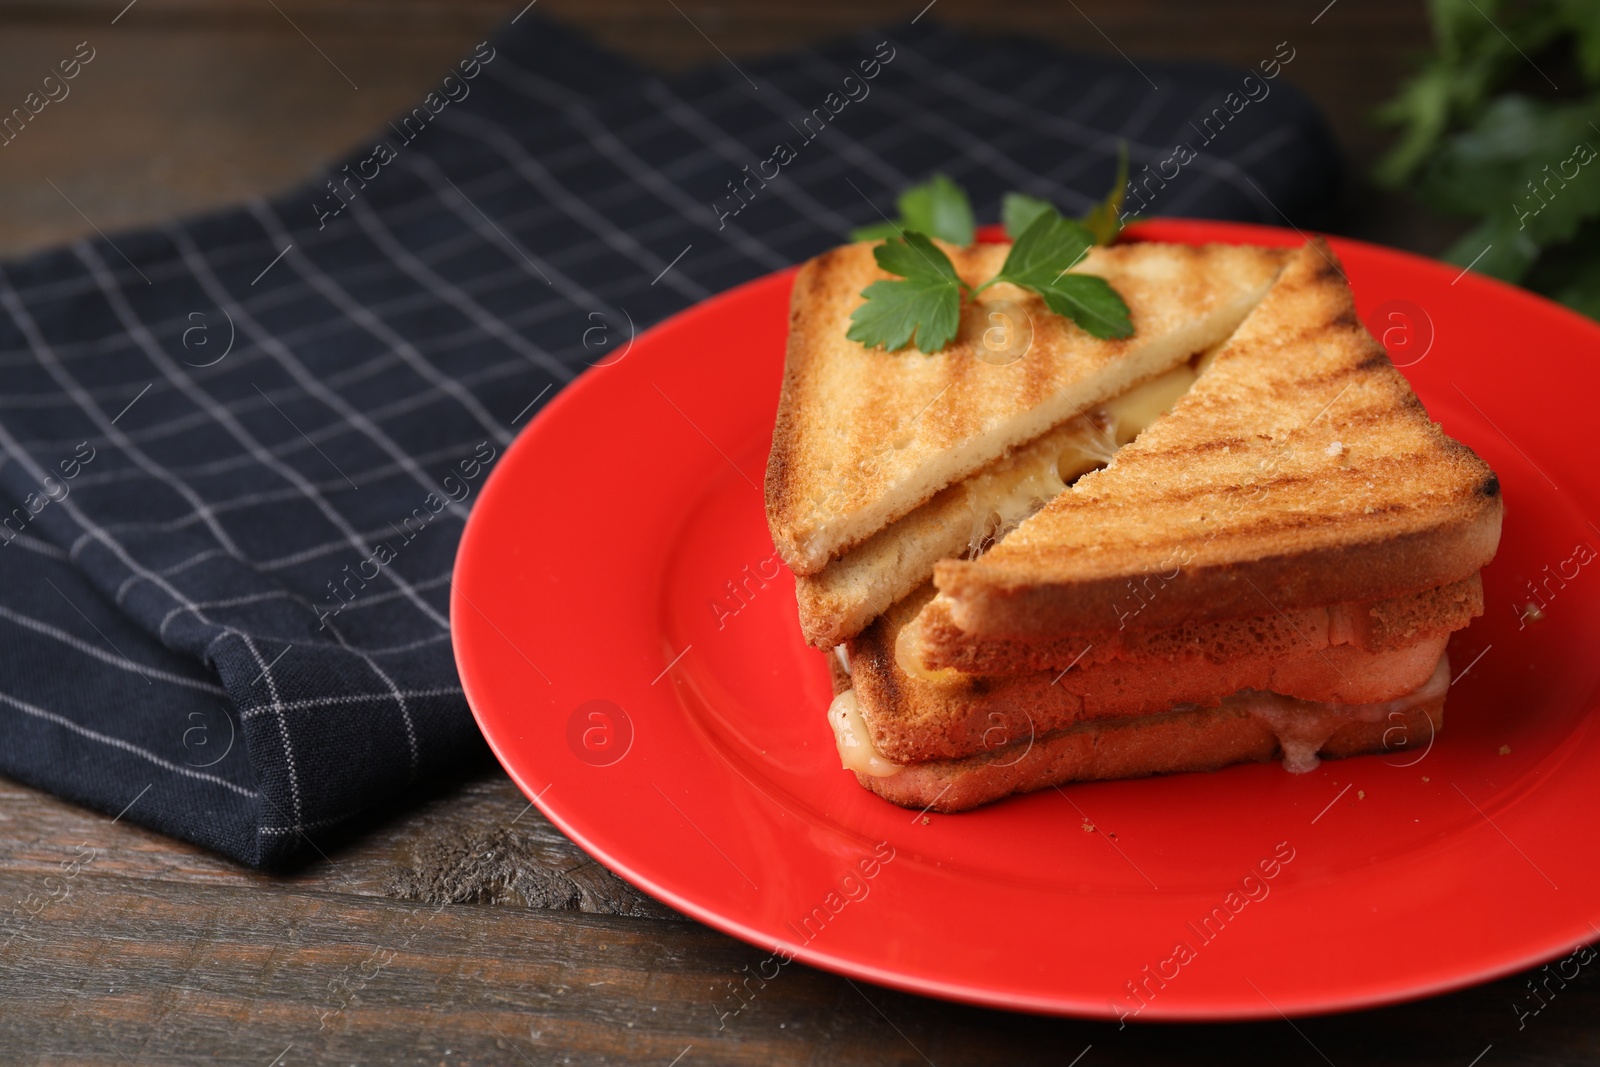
1104,220
938,207
1019,210
1089,301
926,305
1039,261
878,231
916,257
1047,247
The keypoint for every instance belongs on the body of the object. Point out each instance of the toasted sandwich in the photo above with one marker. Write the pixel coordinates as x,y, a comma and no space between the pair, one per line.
1267,561
884,463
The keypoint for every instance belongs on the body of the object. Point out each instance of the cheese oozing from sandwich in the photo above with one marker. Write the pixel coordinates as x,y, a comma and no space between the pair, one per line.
1001,497
1302,727
850,735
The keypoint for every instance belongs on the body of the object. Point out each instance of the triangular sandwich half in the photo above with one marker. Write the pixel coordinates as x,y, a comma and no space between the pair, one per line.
1272,567
867,440
1300,469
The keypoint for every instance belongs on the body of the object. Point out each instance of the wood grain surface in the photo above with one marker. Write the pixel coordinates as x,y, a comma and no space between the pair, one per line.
464,929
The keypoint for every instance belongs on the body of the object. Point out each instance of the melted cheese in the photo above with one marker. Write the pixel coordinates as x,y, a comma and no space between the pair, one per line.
1208,357
1004,499
906,643
1303,726
1000,499
1143,404
853,741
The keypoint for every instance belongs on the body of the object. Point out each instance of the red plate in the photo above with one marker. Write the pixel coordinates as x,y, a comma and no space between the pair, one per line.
628,643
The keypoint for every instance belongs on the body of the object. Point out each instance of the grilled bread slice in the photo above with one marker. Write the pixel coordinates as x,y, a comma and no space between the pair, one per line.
1299,470
839,601
865,436
933,643
912,717
965,518
1184,739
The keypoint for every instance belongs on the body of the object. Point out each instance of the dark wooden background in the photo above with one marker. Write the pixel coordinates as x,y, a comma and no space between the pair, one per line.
464,929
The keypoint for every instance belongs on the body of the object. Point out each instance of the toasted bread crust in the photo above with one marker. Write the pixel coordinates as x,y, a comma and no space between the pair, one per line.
838,602
1202,739
911,719
1377,626
866,436
1299,470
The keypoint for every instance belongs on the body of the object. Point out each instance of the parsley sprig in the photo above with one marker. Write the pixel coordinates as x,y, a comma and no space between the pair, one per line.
924,306
927,305
1039,261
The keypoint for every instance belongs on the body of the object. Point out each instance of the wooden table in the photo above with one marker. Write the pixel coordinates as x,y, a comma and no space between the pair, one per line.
465,929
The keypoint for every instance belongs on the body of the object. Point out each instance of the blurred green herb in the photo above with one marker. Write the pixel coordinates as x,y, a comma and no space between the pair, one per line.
1486,132
1019,210
938,207
1105,218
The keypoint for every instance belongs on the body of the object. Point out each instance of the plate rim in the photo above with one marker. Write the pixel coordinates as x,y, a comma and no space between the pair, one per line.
576,393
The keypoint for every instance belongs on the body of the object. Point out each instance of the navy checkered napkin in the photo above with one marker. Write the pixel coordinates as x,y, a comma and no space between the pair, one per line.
238,450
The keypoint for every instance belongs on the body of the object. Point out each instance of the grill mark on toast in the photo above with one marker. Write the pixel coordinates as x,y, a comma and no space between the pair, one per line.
824,492
1333,375
1379,358
1328,267
872,434
882,667
815,274
1375,469
959,424
1036,379
1285,446
1195,448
